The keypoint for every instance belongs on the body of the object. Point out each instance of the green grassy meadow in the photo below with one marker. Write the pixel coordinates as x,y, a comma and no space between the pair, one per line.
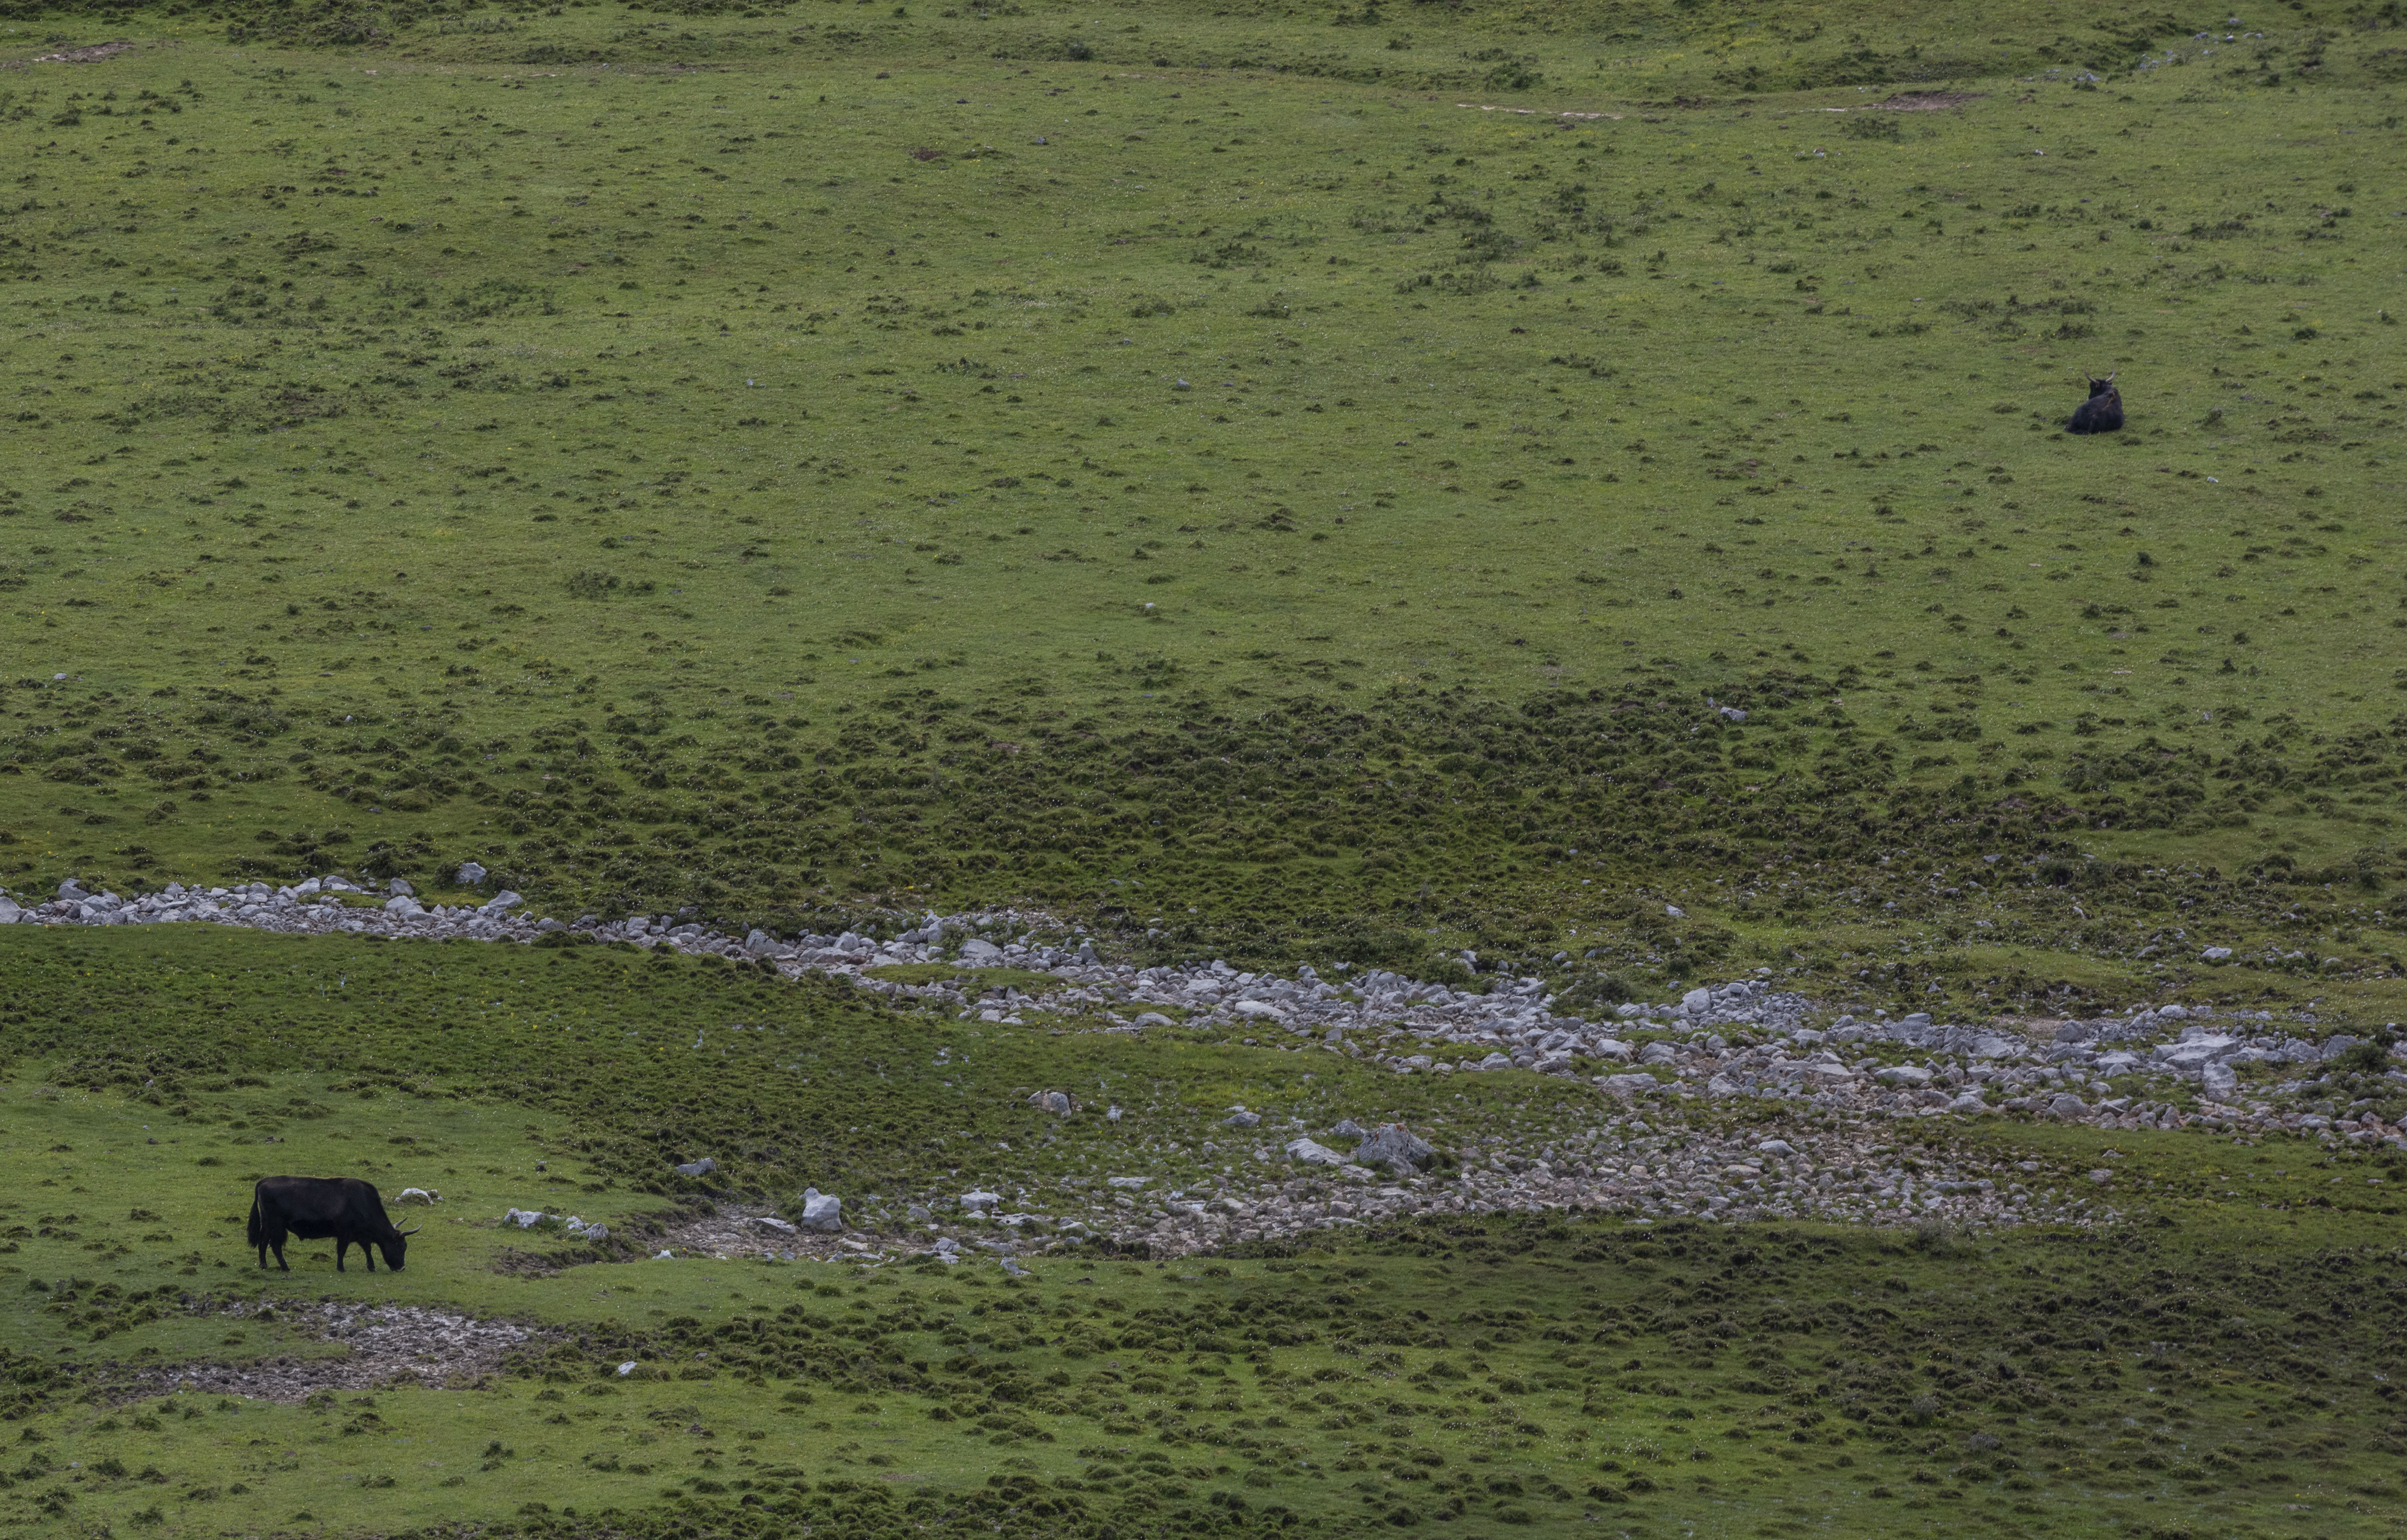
1291,484
698,460
2218,1363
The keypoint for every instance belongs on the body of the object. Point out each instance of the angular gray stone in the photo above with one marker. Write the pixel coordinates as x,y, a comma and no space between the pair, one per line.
1241,1119
1346,1128
981,954
500,903
73,892
1058,1103
1395,1147
821,1211
2220,1081
1312,1152
1776,1147
2066,1105
470,874
1629,1084
1904,1074
980,1203
702,1167
2216,954
400,886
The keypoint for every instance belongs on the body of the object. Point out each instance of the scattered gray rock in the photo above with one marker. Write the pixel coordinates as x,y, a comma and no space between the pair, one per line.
981,1202
702,1167
821,1211
1240,1118
1313,1152
981,954
1395,1147
2066,1105
1347,1128
1059,1103
400,887
470,875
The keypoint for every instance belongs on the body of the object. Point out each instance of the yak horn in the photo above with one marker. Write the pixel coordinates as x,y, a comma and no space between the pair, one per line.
2109,378
408,1232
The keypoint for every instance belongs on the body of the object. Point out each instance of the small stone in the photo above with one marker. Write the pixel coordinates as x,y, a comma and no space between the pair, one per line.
400,887
983,1202
1629,1084
702,1167
470,875
1241,1119
767,1221
979,954
1348,1129
1394,1146
73,892
1312,1152
1904,1075
2216,954
1776,1147
2101,1177
821,1211
2066,1105
416,1195
629,1367
1058,1103
1154,1018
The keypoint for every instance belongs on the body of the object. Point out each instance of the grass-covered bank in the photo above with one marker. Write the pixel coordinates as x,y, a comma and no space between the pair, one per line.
787,484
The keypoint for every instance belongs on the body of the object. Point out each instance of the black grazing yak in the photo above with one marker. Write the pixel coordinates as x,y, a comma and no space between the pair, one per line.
342,1209
2101,413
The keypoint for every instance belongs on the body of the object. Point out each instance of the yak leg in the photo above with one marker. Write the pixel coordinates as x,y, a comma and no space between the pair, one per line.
367,1254
340,1245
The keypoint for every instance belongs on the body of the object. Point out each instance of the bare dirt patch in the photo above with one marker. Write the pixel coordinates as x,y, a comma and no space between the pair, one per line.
380,1345
90,55
1928,101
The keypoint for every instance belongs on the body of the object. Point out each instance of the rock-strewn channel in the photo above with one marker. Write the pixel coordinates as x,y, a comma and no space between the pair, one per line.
1649,1064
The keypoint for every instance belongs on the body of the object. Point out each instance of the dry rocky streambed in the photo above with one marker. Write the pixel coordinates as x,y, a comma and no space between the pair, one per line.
1845,1079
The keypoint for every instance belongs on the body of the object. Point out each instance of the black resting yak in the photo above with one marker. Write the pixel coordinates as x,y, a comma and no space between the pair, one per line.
2101,413
342,1209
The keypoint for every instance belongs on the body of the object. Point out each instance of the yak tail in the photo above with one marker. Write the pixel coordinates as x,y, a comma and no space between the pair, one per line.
258,1224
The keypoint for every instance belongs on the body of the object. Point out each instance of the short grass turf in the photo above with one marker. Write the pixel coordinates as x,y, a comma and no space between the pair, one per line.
1315,497
2217,1363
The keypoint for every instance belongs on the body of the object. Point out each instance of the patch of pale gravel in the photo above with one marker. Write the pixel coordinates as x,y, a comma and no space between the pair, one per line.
737,1233
379,1345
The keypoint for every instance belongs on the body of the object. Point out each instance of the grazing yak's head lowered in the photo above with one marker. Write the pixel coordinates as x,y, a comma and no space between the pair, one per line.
342,1209
2101,413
